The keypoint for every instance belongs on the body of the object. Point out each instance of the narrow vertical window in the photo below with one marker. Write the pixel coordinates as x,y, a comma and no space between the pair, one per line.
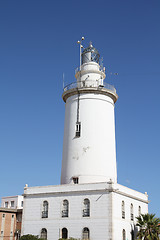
6,204
85,234
123,210
45,210
86,207
65,208
78,129
139,210
132,216
64,233
44,233
123,234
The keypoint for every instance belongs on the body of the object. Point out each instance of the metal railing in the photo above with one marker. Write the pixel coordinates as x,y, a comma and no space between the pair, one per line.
83,85
44,214
86,213
64,213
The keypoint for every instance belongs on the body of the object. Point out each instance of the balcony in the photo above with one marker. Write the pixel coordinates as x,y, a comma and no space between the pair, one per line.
84,84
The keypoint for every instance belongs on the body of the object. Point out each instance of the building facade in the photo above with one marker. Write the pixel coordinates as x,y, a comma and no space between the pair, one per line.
11,217
89,203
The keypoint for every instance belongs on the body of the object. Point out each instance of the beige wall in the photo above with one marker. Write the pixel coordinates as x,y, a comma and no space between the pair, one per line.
7,225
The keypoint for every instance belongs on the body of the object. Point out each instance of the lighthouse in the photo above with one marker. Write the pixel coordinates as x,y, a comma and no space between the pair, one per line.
89,203
89,151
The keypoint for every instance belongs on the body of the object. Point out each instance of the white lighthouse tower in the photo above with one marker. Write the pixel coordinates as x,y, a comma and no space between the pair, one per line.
89,204
89,152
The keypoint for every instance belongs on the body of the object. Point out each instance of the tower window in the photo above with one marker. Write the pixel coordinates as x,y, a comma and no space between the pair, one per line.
75,180
78,129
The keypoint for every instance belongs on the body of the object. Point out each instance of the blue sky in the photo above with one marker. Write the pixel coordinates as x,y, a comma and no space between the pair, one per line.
37,45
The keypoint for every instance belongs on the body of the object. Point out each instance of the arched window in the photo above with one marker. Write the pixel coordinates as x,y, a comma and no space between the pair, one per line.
65,208
139,210
44,233
64,233
123,234
123,210
85,234
45,210
86,207
132,216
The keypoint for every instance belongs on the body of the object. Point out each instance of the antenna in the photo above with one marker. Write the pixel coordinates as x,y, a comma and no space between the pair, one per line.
79,42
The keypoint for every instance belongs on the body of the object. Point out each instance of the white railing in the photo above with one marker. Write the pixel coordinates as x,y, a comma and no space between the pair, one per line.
81,85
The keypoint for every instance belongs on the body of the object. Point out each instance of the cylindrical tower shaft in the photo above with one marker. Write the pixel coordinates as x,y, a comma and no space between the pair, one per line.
89,152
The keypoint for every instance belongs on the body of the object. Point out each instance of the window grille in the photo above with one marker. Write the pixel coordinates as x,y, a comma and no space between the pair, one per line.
44,233
123,210
45,210
78,129
85,234
86,208
65,208
132,216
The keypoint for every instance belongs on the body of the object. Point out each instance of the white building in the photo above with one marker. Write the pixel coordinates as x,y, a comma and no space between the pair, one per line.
89,203
12,202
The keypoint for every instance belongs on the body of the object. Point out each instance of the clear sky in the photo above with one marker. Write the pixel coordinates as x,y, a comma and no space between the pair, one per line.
37,45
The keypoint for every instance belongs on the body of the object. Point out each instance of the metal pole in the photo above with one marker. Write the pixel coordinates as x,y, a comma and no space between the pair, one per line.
80,55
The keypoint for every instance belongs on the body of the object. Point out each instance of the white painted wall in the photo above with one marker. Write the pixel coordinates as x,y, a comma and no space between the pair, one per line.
91,157
17,201
104,223
129,197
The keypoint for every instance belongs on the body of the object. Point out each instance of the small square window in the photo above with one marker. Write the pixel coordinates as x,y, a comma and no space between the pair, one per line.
75,180
3,215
